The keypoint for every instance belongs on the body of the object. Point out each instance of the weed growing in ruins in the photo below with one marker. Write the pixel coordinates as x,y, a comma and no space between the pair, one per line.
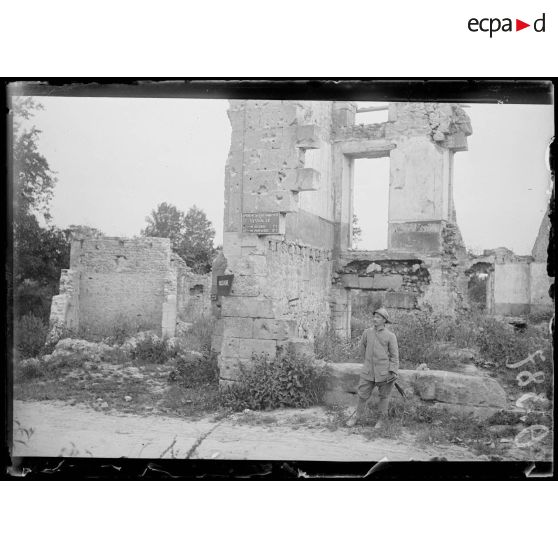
198,336
123,328
29,369
500,343
115,355
289,380
329,346
154,350
433,339
30,334
193,370
65,361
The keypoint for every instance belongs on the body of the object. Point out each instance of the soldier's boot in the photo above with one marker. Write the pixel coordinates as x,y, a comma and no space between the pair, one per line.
359,413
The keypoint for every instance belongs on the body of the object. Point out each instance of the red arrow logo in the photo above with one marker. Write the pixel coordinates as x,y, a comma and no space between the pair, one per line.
519,25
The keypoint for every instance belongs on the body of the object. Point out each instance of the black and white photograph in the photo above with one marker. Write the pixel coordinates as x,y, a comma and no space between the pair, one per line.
329,280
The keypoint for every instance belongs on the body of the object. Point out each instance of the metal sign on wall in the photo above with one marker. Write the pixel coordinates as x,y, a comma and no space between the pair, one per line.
224,284
260,223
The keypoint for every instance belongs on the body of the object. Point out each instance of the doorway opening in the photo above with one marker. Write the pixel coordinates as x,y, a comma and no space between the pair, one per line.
477,287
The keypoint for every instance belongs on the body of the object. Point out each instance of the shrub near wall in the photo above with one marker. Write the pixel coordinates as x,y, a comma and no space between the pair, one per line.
289,380
30,334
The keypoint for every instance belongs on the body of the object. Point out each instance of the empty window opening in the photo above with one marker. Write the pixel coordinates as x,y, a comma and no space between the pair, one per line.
370,203
371,113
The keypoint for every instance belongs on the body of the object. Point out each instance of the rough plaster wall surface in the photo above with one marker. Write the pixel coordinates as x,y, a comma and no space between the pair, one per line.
300,279
512,283
306,228
108,298
124,279
194,295
416,181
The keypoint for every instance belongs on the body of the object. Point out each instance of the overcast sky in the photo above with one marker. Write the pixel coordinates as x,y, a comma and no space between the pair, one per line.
117,159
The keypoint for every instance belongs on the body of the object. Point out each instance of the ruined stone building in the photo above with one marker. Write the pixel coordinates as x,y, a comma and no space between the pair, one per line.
517,285
288,236
288,223
134,283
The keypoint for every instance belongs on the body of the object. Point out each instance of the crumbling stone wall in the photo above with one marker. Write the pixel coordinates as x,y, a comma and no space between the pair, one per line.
300,278
193,291
117,282
518,285
194,295
420,139
122,280
288,219
64,309
512,288
279,168
399,282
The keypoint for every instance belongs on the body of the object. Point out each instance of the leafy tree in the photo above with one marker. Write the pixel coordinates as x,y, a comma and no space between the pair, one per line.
34,181
39,252
166,222
191,234
196,247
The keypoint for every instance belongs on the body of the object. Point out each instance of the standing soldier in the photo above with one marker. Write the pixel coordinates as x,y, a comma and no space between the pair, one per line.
381,363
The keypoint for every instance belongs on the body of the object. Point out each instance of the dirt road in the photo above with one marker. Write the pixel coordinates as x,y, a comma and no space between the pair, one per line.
63,430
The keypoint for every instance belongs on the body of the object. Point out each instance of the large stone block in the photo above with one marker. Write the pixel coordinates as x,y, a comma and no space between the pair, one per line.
459,389
300,347
278,159
261,181
274,329
381,282
238,327
350,280
460,394
251,265
216,342
246,307
269,138
236,347
246,285
278,115
308,136
282,201
307,179
232,243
